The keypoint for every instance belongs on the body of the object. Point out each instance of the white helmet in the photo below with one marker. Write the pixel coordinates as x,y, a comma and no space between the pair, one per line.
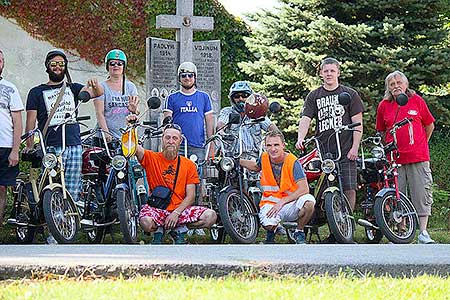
187,67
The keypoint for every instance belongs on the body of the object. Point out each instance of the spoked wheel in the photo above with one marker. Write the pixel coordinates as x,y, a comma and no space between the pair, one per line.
61,216
94,234
24,233
217,234
373,236
339,217
398,222
128,216
239,218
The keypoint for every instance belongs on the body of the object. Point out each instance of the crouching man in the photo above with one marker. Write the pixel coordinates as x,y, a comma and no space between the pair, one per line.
168,169
286,195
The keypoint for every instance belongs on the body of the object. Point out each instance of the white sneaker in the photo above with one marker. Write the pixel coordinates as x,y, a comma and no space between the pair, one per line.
280,230
200,232
424,238
51,240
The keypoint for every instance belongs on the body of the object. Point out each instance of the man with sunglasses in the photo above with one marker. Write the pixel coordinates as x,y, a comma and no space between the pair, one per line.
192,110
40,102
11,108
179,174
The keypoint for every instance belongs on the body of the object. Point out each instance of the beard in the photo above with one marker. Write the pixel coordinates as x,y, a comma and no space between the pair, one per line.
170,152
188,87
55,77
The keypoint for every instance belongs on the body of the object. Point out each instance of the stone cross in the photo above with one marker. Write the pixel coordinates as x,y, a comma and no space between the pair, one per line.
185,23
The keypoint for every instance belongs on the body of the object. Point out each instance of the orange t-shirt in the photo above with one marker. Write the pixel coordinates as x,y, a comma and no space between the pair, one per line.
161,171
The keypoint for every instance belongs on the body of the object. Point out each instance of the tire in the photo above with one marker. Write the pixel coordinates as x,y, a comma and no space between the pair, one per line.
61,216
128,216
373,236
240,223
341,223
388,219
217,235
24,234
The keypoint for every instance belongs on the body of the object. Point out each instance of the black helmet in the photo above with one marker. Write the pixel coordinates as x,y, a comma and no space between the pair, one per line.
55,52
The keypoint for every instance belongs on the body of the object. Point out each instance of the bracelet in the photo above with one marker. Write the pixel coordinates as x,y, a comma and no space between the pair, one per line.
175,211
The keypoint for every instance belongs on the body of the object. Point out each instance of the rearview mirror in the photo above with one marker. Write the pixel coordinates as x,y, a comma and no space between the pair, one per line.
84,96
275,107
153,102
401,99
234,118
344,98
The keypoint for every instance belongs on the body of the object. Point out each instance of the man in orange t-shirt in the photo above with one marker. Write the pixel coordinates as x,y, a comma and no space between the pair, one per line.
161,170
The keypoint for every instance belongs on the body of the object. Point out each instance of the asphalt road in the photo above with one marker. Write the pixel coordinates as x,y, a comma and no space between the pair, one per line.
218,260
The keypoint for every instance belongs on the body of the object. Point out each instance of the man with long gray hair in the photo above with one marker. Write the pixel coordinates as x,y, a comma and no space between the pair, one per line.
414,153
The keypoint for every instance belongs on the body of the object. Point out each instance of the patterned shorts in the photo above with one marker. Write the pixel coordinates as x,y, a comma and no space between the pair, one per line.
190,215
349,175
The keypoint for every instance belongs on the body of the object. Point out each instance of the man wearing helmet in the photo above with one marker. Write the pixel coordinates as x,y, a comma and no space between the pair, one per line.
120,96
40,102
254,106
191,109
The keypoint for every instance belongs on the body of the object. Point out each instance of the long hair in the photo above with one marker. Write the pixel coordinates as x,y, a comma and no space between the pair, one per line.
387,93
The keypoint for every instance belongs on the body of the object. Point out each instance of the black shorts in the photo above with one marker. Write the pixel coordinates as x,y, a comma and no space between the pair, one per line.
349,175
7,174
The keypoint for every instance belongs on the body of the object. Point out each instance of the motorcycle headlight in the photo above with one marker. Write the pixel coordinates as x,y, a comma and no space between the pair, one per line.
118,162
227,164
328,166
378,152
49,161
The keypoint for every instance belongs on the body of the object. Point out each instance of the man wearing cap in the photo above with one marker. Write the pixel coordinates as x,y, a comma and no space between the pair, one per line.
11,108
191,109
40,102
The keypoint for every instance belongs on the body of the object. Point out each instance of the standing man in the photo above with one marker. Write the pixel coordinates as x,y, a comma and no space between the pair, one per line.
40,102
191,109
286,195
322,104
414,153
176,172
11,108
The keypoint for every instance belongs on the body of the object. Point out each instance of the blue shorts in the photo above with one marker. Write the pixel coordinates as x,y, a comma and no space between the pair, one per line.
7,174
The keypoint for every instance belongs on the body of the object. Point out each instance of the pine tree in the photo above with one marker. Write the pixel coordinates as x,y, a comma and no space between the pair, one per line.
371,39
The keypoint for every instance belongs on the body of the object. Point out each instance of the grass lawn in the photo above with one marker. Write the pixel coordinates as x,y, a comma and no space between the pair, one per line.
240,287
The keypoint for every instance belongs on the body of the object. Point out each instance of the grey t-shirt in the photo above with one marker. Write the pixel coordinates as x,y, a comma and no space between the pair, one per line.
116,106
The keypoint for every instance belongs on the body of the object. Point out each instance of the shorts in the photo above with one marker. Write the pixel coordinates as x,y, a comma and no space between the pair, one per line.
349,174
190,215
420,183
7,174
288,213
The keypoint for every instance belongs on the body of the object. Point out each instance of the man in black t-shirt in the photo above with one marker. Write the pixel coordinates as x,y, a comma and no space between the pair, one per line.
322,104
40,102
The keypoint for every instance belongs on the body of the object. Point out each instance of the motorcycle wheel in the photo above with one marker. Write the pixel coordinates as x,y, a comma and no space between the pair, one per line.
217,235
373,236
240,221
61,216
128,216
24,234
398,224
339,218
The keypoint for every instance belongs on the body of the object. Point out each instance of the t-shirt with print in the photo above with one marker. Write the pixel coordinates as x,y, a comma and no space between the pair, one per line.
9,101
161,171
188,111
116,106
251,135
41,98
297,170
389,112
323,105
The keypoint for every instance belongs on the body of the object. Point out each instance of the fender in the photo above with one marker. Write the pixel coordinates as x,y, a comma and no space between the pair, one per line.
122,186
384,191
53,186
330,189
227,188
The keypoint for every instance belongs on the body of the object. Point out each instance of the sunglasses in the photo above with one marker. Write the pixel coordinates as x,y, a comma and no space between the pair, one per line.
172,125
241,95
115,63
61,64
187,75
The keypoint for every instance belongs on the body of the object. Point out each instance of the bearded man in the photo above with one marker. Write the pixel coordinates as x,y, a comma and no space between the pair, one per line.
179,174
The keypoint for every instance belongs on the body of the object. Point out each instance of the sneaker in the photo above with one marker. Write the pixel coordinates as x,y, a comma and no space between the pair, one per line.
199,232
424,238
270,237
280,230
329,240
157,238
177,237
300,237
51,240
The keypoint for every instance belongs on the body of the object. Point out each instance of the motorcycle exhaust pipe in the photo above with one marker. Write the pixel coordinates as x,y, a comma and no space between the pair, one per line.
367,224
